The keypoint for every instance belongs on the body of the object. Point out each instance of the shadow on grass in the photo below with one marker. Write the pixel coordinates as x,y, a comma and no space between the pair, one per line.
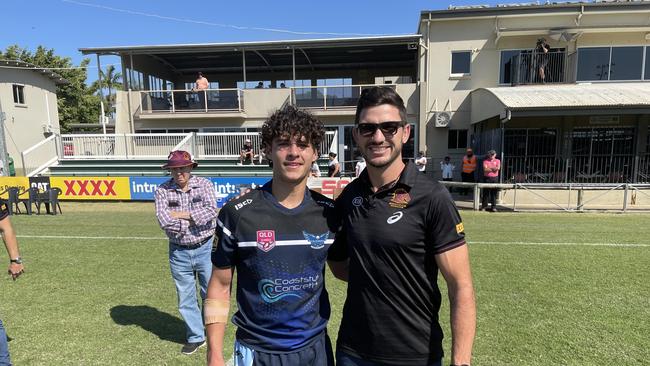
166,326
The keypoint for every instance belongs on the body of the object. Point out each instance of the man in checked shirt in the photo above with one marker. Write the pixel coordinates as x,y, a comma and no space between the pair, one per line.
186,207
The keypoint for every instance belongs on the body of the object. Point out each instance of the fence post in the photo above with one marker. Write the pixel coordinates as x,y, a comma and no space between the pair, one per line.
173,103
635,173
514,198
325,98
126,146
193,145
580,199
476,197
566,171
625,193
57,147
22,158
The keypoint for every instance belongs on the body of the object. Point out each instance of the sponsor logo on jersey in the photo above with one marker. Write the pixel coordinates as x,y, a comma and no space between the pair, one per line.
272,290
400,199
394,217
326,203
316,241
357,201
460,228
242,204
266,239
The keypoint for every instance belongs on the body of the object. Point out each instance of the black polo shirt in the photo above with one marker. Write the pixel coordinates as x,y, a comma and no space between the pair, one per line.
391,237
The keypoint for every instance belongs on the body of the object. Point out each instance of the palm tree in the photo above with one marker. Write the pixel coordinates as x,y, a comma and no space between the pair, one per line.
112,80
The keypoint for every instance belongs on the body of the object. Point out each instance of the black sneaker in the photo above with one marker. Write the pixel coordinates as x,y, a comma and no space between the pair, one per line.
191,347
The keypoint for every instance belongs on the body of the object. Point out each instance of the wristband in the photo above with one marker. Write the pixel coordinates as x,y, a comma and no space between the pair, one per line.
215,311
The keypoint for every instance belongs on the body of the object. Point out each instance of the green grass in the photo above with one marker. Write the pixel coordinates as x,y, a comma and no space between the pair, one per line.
112,302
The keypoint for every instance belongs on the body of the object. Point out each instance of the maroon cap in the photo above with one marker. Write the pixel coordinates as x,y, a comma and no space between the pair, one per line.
179,159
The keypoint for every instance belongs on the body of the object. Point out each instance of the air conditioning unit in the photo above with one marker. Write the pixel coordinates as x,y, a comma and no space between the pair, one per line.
442,119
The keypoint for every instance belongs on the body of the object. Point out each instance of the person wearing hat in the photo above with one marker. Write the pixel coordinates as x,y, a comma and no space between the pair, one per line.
186,208
491,168
469,169
246,153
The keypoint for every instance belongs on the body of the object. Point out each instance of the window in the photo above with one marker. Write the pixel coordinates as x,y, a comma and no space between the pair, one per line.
460,63
19,94
336,87
647,63
530,142
610,63
457,139
626,64
508,59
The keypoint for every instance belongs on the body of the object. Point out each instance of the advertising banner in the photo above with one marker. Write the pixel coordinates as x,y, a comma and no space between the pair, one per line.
228,187
144,188
92,188
327,186
5,182
42,183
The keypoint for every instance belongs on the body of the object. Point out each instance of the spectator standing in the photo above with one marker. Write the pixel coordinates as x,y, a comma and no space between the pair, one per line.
333,167
542,58
16,269
361,165
421,162
469,169
447,168
186,208
491,168
200,87
315,169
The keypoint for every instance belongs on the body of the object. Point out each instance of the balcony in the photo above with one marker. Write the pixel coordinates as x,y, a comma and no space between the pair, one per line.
256,103
530,67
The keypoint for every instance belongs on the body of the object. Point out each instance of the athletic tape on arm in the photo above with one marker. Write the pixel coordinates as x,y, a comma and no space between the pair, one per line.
216,311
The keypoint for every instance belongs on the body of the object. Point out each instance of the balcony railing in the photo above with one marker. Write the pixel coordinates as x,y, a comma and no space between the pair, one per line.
327,97
219,145
182,101
539,68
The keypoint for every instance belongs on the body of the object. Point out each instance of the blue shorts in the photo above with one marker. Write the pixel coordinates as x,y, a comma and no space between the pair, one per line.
317,353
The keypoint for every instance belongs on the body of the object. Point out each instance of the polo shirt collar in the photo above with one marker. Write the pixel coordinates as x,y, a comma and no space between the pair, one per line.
406,179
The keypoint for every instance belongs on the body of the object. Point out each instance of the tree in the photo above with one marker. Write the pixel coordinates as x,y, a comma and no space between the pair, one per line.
111,80
76,102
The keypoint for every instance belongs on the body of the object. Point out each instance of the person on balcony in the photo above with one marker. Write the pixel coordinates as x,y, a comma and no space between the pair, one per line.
200,87
247,153
542,58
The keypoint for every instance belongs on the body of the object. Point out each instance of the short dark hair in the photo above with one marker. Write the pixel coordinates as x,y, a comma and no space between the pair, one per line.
379,95
290,121
200,73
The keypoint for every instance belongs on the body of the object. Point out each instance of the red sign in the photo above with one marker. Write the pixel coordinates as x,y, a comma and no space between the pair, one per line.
266,239
87,187
329,185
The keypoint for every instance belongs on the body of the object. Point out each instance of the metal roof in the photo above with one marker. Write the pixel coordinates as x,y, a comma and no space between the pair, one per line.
555,7
572,96
259,45
568,99
20,65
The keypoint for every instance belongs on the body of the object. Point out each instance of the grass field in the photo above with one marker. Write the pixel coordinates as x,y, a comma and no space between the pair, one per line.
552,289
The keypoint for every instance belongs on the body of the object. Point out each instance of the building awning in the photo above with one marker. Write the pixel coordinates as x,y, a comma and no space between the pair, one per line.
570,99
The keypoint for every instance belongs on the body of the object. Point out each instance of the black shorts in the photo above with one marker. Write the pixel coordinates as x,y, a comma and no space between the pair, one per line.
317,353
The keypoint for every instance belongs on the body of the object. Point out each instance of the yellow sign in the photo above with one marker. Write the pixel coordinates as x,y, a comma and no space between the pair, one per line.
92,188
6,182
460,228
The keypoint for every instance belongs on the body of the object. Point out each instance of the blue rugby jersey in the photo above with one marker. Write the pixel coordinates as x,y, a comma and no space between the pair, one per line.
280,256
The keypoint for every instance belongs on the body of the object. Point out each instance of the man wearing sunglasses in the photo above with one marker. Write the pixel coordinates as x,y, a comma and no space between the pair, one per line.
399,228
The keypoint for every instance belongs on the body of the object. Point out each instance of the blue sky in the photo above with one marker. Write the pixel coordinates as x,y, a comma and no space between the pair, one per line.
67,25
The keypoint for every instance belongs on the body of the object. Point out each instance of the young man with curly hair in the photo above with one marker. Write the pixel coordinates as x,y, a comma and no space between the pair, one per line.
277,239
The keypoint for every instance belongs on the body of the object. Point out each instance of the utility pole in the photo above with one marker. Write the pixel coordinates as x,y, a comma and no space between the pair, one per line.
3,145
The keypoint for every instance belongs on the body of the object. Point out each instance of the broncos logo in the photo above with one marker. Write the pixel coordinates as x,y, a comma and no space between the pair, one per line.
269,294
316,241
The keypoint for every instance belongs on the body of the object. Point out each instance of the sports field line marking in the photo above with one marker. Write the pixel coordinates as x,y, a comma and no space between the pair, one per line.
93,237
643,245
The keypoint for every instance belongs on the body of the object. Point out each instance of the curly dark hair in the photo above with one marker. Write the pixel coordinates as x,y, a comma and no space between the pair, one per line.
290,121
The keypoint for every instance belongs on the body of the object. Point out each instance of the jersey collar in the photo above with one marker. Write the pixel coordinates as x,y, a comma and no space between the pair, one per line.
406,179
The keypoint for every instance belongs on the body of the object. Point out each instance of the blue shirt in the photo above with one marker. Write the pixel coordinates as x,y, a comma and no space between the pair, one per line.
280,256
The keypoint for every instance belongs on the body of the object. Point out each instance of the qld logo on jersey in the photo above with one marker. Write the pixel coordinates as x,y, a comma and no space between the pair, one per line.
316,241
272,290
266,239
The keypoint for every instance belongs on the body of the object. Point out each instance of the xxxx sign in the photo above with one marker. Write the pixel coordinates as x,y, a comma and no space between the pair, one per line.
93,188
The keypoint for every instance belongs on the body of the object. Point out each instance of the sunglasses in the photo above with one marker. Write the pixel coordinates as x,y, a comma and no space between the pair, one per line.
387,128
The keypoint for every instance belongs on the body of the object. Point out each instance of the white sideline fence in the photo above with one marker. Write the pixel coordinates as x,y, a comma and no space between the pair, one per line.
202,145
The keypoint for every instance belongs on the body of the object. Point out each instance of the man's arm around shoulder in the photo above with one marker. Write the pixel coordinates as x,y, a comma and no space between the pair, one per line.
455,268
